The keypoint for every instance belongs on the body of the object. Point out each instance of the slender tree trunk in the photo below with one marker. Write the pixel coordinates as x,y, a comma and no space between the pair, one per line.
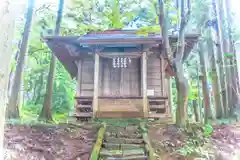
196,110
221,58
215,66
46,112
13,110
217,97
233,68
7,20
199,101
12,70
207,108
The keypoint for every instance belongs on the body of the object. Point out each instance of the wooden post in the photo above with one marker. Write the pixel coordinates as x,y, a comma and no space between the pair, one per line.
144,83
169,109
162,60
79,64
95,93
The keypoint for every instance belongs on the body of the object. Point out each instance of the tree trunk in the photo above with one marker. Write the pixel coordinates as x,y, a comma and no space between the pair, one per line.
7,20
233,69
46,112
196,110
215,66
207,108
13,110
221,58
181,81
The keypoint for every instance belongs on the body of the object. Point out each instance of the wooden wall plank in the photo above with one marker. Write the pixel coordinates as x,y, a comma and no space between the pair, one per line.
79,78
154,81
87,74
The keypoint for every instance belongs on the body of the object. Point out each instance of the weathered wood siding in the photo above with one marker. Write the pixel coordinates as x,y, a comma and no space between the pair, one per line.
154,81
123,81
120,105
87,80
120,81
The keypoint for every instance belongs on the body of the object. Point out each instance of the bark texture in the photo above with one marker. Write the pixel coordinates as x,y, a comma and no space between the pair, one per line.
46,112
196,111
221,59
213,50
181,81
7,20
13,106
207,108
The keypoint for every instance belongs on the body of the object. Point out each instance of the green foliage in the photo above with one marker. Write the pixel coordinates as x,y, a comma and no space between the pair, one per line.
208,129
193,90
228,54
144,31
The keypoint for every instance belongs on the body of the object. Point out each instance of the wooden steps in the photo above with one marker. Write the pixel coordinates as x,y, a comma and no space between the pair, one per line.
157,107
83,115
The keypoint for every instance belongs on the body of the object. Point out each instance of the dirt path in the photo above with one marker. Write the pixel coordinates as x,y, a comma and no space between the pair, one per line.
73,143
170,143
48,143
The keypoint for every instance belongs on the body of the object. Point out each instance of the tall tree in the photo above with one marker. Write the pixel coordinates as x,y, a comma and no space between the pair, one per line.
12,110
233,97
207,109
221,59
7,20
46,112
213,50
181,81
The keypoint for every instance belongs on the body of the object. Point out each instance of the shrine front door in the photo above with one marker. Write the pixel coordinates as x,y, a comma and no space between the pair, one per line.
120,80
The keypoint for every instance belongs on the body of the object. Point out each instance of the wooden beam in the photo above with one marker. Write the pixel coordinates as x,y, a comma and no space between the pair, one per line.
79,65
117,54
144,83
96,83
169,106
162,74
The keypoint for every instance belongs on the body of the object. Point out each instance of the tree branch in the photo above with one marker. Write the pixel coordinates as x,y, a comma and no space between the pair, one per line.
166,45
183,23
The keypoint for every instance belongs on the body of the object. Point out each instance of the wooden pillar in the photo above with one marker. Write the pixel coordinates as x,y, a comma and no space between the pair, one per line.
144,83
96,82
162,62
79,65
169,94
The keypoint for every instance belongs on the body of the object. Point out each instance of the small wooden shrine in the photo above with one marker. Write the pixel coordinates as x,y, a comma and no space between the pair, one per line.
119,73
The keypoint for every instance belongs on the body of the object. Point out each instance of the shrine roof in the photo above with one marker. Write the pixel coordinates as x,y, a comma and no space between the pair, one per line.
69,48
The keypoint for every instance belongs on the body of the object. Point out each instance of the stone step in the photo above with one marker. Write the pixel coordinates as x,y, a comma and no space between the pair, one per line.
123,140
122,153
123,135
122,146
131,146
128,158
112,153
133,152
111,146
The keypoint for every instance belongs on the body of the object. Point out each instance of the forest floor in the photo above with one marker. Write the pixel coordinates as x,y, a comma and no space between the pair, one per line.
70,142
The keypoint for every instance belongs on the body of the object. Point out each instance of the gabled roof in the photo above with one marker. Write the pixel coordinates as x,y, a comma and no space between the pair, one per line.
70,48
